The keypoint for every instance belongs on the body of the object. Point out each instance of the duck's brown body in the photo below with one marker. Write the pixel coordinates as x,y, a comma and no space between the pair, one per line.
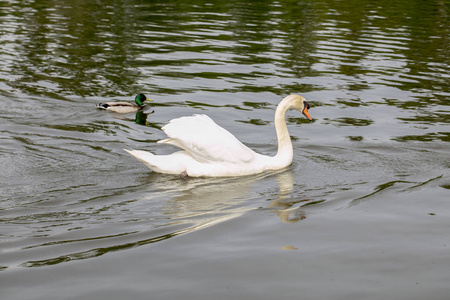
125,107
120,107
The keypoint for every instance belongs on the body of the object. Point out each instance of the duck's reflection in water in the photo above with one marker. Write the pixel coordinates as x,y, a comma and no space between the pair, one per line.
141,116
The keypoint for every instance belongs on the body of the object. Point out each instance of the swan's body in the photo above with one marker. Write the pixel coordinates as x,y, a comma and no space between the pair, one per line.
125,107
210,150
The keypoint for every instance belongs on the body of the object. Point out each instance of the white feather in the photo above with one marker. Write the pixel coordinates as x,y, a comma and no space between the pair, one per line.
206,141
210,150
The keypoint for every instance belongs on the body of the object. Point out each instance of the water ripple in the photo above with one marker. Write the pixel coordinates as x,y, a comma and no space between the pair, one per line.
378,85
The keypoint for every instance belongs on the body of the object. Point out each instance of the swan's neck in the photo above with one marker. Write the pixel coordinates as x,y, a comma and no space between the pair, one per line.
285,153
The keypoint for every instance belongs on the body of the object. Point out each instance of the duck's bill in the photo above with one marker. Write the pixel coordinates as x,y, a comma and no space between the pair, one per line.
306,113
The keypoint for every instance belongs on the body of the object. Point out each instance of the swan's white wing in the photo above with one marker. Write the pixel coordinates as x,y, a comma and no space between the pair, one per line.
206,141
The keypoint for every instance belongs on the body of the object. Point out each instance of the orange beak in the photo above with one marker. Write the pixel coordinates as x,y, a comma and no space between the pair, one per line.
306,113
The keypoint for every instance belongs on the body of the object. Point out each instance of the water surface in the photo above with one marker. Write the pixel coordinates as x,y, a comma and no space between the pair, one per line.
362,213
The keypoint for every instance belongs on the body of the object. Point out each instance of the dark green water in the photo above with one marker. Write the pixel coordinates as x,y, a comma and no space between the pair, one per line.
363,212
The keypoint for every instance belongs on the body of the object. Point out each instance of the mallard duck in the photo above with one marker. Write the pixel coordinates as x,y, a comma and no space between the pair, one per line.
210,150
125,107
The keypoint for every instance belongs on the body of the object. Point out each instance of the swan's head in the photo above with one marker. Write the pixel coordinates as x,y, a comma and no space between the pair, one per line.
299,103
305,109
140,98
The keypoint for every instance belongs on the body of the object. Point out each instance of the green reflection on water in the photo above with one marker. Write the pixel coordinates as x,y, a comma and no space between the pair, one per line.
106,48
429,137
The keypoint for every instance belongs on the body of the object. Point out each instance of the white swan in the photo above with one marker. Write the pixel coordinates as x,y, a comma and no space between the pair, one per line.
210,150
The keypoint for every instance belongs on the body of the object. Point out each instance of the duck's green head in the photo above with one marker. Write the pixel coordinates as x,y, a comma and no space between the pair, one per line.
140,98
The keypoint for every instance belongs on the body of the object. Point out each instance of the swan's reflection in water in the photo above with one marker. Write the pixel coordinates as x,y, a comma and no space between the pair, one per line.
174,206
218,199
283,206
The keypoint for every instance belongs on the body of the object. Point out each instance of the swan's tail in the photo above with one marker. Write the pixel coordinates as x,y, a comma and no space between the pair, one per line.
174,163
146,157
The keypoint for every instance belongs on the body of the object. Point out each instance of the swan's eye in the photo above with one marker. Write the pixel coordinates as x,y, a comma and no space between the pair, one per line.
306,104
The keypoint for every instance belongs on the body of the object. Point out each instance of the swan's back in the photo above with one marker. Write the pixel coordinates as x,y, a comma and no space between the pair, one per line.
206,141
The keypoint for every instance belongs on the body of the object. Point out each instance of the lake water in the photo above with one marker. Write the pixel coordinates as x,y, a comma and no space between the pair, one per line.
362,213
